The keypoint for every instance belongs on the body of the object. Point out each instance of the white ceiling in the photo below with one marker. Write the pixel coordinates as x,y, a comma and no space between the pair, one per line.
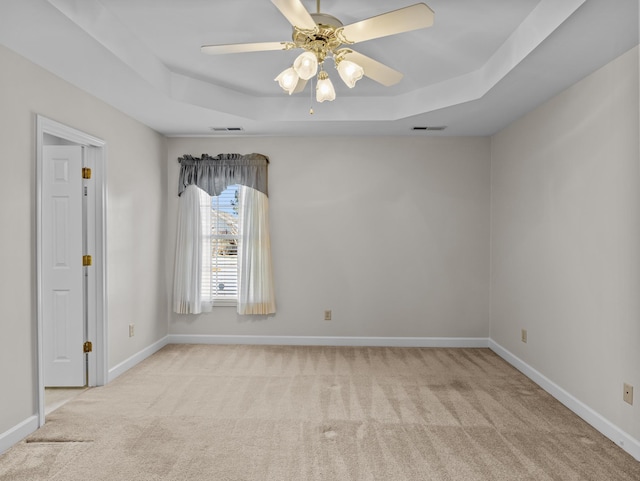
482,64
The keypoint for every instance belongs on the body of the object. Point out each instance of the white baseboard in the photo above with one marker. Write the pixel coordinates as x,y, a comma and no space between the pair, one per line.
606,427
18,433
330,341
127,364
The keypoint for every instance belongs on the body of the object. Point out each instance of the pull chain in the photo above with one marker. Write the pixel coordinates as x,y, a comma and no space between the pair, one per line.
311,90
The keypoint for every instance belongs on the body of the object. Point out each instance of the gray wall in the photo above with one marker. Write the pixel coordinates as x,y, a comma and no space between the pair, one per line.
136,179
566,240
391,234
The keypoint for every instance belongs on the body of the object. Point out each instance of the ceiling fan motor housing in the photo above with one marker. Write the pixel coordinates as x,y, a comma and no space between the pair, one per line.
324,39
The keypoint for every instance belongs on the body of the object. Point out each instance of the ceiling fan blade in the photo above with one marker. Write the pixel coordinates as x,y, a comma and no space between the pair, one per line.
375,70
242,47
390,23
294,11
302,83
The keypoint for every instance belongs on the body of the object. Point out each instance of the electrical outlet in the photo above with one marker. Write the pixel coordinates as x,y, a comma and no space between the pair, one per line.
131,331
524,336
627,393
327,315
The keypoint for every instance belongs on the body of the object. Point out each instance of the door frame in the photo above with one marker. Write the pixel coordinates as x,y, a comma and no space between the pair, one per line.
95,150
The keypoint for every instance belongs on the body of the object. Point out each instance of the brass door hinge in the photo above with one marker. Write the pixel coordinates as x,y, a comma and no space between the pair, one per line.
87,261
86,173
87,347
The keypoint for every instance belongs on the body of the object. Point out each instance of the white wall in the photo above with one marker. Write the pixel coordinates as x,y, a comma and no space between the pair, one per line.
136,180
566,240
392,234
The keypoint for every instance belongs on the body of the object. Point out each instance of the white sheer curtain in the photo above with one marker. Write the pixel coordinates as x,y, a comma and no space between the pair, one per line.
191,246
255,272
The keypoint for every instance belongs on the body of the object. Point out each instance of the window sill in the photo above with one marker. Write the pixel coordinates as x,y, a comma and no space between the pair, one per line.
224,303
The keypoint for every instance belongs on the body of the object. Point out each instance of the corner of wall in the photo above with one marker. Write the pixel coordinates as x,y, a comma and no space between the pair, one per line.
599,422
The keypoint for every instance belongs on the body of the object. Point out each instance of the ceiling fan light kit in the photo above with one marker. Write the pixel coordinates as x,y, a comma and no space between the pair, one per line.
321,36
288,80
350,72
324,88
306,65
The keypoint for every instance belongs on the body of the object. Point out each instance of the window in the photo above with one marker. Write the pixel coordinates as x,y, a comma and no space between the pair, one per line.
220,237
222,243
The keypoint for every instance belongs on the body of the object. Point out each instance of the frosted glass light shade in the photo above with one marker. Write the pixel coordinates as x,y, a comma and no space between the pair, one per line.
306,65
350,72
324,88
288,79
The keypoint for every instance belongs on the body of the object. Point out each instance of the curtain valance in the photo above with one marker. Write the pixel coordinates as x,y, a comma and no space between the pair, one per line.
214,174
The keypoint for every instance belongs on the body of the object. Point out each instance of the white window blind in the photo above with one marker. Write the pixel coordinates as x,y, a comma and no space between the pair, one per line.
219,217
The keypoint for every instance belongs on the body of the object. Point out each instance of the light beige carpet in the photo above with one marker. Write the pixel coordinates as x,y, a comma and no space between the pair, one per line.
317,413
54,397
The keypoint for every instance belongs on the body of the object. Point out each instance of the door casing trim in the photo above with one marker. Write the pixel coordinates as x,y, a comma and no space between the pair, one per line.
97,322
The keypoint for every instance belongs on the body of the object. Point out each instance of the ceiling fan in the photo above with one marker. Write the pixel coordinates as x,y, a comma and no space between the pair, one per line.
323,36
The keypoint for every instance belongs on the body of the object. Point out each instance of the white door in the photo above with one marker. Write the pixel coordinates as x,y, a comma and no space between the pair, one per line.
62,271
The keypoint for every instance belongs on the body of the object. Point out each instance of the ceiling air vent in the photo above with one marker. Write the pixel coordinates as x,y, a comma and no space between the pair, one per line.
431,129
225,129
